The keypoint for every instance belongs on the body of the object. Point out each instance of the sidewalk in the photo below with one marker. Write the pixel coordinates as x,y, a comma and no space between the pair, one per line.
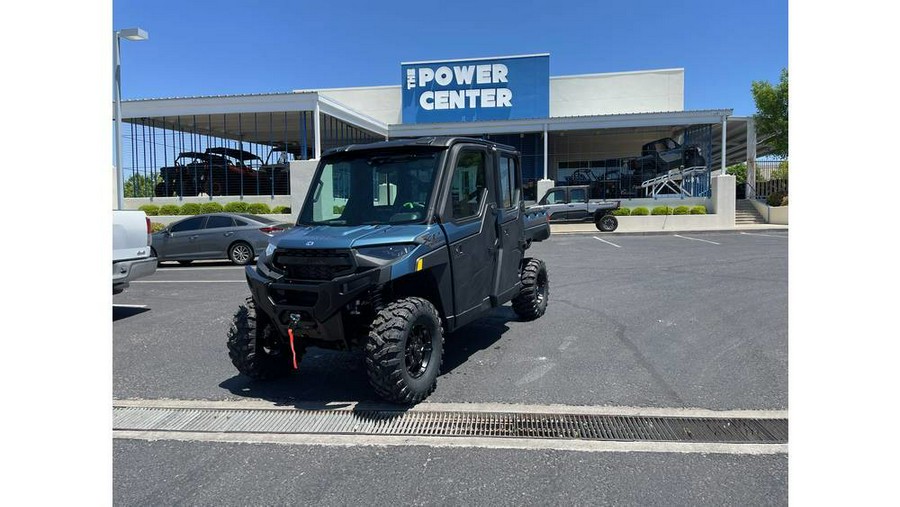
589,228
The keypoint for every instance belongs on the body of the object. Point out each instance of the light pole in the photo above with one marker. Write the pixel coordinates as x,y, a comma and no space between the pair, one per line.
135,34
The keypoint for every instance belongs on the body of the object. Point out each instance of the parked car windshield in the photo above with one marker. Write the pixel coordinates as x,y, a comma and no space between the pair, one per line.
372,189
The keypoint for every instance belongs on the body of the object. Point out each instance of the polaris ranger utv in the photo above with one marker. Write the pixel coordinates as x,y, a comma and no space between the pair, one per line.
397,243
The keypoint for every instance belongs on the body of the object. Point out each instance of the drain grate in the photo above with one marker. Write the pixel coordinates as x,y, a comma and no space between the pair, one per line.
454,424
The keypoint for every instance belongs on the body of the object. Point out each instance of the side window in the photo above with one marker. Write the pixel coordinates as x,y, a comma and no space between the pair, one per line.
507,181
218,221
556,197
240,223
190,224
577,195
467,186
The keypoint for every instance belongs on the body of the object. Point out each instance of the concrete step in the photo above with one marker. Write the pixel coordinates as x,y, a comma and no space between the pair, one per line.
745,213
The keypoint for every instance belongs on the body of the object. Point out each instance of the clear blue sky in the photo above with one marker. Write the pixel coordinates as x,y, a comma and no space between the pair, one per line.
256,46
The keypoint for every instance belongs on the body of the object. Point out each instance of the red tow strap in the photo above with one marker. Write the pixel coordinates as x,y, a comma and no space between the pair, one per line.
293,352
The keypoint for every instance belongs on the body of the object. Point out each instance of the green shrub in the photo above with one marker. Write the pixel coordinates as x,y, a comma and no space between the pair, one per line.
260,208
681,210
191,208
640,211
211,207
775,198
281,210
739,171
338,210
661,210
621,212
237,207
698,210
169,209
151,210
156,226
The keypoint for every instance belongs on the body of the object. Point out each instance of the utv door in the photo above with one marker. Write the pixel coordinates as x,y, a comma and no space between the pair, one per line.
511,247
470,224
556,203
578,208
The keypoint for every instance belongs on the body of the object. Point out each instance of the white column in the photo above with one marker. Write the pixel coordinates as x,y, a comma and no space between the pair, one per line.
318,133
545,183
724,142
546,152
751,158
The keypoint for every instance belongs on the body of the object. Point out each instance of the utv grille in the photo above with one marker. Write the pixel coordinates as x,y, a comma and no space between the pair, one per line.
314,264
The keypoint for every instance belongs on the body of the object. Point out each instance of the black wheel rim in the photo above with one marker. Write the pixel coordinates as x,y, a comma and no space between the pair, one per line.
268,344
541,291
608,222
418,350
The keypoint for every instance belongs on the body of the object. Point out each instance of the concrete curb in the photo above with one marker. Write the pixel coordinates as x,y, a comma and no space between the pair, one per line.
734,230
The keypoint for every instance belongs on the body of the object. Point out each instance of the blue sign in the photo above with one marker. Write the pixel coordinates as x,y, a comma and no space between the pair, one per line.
477,89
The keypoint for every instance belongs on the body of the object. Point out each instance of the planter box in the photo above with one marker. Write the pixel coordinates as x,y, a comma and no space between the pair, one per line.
669,223
168,219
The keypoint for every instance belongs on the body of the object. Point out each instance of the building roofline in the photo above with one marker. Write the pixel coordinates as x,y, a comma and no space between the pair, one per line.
622,73
508,57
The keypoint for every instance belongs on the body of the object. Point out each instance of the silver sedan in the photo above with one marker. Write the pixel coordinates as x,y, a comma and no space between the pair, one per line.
237,237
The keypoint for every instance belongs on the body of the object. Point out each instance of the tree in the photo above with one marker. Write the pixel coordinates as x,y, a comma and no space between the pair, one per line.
739,171
138,185
772,113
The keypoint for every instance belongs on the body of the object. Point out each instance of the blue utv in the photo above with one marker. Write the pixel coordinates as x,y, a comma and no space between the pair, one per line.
397,243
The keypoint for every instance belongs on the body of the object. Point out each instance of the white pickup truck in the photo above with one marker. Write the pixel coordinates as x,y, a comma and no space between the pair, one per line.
131,248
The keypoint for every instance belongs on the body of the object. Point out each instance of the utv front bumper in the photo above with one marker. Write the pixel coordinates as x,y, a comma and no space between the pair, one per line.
314,306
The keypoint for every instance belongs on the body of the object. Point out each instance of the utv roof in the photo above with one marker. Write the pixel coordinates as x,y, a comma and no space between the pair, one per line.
420,142
233,153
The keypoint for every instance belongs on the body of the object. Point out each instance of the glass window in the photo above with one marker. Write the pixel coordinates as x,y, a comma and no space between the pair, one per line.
219,221
577,195
555,197
240,223
468,184
370,188
507,181
189,225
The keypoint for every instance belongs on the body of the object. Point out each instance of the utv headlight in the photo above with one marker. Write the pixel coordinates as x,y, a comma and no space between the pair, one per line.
387,253
265,259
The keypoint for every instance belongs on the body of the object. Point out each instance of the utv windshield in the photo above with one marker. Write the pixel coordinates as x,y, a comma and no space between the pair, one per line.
372,188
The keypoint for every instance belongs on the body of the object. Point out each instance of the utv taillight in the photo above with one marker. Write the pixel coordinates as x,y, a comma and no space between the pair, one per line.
149,228
271,230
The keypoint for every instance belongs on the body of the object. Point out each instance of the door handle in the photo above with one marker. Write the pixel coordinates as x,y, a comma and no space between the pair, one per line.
228,234
193,237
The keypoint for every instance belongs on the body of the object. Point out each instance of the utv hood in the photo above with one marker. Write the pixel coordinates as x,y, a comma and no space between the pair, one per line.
329,236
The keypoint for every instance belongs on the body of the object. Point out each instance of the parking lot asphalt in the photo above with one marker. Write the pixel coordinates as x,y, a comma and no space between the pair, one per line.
681,320
667,321
191,473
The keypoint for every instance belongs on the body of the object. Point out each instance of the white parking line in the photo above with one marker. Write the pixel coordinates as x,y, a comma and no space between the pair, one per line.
190,281
696,239
607,242
201,268
766,235
129,306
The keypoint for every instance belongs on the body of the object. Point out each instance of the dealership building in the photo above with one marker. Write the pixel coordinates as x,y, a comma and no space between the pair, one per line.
575,129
